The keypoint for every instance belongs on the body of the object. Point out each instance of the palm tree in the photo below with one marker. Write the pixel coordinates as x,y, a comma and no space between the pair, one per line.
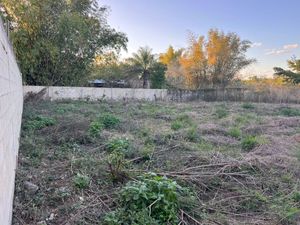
292,75
142,62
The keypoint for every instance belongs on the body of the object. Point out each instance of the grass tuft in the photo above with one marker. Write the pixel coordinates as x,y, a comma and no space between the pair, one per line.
249,142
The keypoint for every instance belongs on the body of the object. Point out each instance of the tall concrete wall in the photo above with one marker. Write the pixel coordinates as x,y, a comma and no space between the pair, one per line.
88,93
271,94
11,105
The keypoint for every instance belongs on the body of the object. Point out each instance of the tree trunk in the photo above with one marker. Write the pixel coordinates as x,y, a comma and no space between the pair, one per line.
146,83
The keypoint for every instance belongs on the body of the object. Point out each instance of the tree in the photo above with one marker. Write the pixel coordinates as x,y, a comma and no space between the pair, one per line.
194,63
56,40
293,75
158,79
214,62
170,56
107,66
142,62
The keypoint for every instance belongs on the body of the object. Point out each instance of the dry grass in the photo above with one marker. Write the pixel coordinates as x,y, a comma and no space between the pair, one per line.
230,185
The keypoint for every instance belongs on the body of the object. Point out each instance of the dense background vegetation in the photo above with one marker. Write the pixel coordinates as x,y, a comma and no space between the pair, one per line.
68,42
56,40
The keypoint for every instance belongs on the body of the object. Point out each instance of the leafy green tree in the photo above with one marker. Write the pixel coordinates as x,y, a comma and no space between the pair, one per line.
142,63
158,79
56,40
107,66
293,75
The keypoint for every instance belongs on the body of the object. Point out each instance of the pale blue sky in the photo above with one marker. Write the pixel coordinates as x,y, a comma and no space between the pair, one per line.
273,25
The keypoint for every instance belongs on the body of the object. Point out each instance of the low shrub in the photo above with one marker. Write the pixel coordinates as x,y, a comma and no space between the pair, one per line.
248,105
147,151
192,134
109,121
249,142
39,122
235,132
290,112
221,113
120,216
116,166
119,145
181,121
95,129
176,125
151,200
81,181
296,197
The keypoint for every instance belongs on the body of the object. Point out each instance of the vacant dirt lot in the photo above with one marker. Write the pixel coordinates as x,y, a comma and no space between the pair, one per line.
239,161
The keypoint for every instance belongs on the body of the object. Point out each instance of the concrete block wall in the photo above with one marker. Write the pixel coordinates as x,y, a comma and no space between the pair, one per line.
272,95
11,105
75,93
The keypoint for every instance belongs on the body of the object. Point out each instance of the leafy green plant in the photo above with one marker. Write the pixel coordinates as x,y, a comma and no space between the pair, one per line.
249,142
120,216
192,134
221,113
81,181
146,151
109,120
39,122
176,125
119,145
235,132
95,129
248,105
116,165
290,112
151,198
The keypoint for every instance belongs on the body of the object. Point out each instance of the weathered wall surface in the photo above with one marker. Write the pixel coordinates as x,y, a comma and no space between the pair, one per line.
11,104
88,93
271,95
285,94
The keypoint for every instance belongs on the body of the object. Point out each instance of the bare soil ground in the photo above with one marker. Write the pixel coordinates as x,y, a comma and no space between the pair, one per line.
241,161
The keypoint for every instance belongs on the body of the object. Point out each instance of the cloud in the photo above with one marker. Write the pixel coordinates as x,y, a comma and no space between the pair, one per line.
256,44
285,49
292,46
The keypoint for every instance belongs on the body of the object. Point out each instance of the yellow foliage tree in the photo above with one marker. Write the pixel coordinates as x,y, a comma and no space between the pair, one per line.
194,63
214,62
170,56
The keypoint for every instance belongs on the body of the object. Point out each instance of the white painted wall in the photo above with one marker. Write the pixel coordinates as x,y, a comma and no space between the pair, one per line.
75,93
274,95
11,105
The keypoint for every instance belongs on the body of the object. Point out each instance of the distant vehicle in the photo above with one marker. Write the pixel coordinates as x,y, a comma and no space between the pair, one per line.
104,83
119,83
